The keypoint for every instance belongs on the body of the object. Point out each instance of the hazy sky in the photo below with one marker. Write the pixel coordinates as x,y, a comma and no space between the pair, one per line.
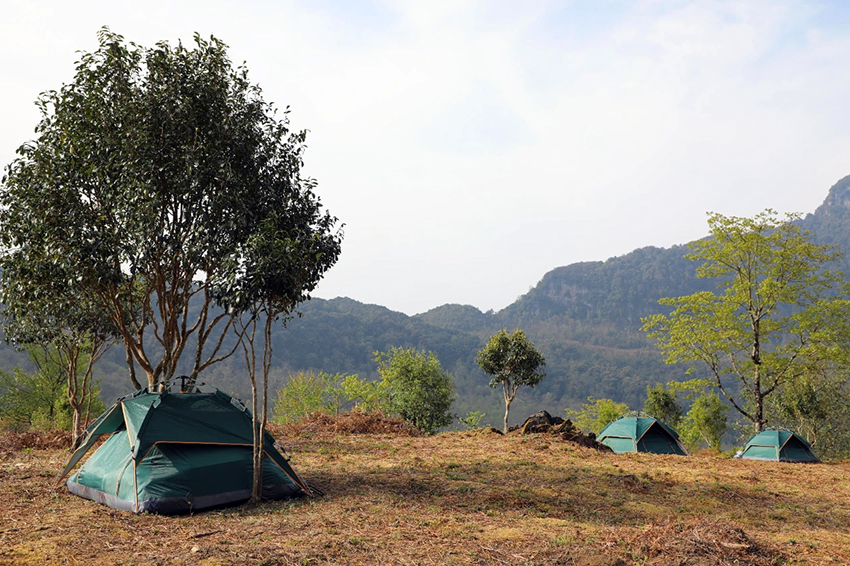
470,147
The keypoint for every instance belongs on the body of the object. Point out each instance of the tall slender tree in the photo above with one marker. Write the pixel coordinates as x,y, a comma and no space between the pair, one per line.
278,268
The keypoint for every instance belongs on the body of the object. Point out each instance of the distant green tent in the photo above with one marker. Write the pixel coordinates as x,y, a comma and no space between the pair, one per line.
779,445
641,434
175,453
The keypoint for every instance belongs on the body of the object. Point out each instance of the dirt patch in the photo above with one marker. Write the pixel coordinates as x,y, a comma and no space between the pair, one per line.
544,423
318,425
34,439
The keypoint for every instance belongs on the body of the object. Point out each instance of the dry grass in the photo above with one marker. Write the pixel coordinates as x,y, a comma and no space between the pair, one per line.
454,498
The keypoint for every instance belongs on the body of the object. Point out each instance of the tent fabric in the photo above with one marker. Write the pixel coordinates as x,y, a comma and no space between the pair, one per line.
176,453
778,445
641,434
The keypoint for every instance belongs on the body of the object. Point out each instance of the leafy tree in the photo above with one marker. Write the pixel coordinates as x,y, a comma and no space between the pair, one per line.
512,361
41,400
28,398
817,406
596,414
367,396
661,403
705,421
417,387
71,358
308,392
150,175
777,311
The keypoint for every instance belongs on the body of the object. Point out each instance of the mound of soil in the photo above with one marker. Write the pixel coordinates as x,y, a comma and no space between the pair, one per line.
544,423
352,422
39,439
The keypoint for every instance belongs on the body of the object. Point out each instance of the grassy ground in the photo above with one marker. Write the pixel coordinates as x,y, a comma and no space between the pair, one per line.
454,498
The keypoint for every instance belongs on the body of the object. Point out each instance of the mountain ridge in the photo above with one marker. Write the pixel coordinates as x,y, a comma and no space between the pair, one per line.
584,317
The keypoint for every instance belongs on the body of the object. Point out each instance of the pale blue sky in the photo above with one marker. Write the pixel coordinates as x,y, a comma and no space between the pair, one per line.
472,146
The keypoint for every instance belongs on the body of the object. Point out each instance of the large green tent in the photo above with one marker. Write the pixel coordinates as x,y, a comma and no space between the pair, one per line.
779,445
641,434
176,453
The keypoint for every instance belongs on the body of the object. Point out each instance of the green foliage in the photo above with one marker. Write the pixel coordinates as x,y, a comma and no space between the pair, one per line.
40,400
25,397
776,312
366,396
307,392
302,395
817,407
158,175
418,389
596,414
661,403
472,420
512,361
705,422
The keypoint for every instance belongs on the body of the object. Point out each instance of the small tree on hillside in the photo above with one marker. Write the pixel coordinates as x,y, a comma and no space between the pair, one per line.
512,361
417,387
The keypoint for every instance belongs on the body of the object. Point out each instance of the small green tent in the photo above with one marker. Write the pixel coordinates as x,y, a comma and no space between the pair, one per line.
641,434
175,453
779,445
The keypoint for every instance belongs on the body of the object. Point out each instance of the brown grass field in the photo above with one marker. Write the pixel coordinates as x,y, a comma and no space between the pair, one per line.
453,498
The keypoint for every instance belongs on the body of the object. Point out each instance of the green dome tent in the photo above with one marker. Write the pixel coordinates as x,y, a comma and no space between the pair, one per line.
175,453
641,434
779,445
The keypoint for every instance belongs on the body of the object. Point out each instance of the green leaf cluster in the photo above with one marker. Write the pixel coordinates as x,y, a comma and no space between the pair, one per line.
596,414
417,387
306,392
39,400
705,422
472,420
661,403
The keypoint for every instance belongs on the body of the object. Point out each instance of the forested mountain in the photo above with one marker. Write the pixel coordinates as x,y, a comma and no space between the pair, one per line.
584,317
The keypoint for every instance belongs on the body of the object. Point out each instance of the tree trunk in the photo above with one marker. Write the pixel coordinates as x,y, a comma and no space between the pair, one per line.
758,399
257,489
131,367
507,412
74,395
